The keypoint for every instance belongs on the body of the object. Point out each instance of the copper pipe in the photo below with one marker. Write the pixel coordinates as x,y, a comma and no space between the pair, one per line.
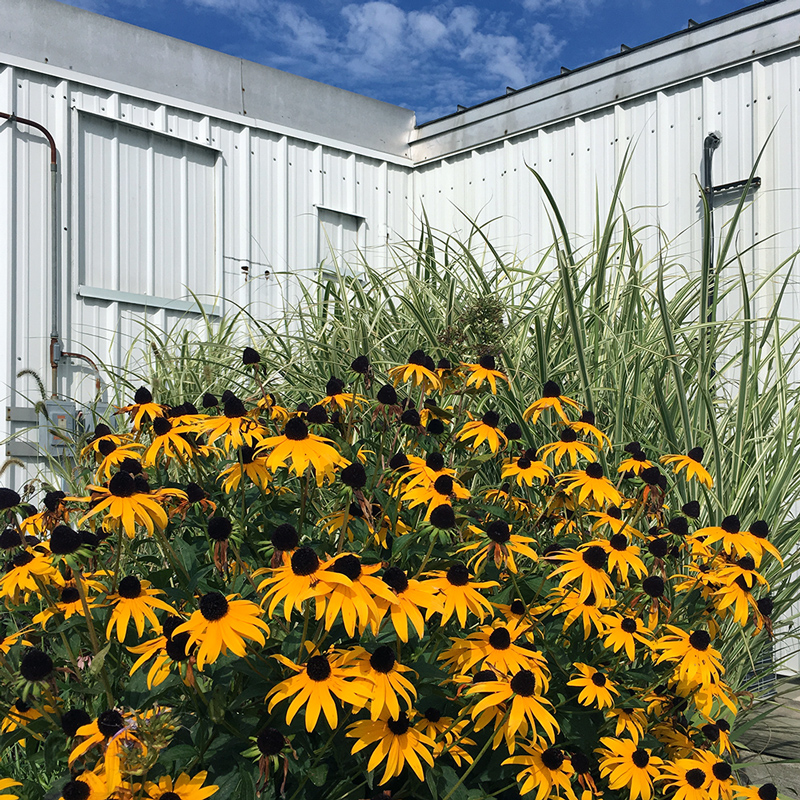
97,381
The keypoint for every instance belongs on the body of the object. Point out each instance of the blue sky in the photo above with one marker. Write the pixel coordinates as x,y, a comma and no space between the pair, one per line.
427,57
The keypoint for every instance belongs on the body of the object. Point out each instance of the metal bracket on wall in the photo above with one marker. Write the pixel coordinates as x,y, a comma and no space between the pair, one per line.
736,186
18,448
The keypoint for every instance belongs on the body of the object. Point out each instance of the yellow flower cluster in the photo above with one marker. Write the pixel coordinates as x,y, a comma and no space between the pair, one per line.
398,565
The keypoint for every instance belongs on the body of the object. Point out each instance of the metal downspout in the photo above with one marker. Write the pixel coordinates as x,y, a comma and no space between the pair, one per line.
55,338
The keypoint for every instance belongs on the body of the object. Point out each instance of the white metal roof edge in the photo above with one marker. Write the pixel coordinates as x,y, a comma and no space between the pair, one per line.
215,113
765,26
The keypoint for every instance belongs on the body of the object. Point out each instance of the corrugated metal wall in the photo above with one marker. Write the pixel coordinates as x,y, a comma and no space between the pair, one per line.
158,201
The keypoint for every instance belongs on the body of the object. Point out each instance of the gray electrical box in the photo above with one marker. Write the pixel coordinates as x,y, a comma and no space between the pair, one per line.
57,426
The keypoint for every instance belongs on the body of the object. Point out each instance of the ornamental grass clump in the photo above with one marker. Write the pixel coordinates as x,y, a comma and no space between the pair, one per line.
263,600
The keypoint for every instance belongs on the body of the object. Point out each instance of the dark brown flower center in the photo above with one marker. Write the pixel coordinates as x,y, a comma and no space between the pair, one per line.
594,471
524,683
619,541
498,531
500,639
598,679
568,436
122,485
130,587
304,562
458,575
491,418
383,659
270,741
161,426
400,725
699,640
695,777
641,758
318,668
396,578
285,537
296,430
213,606
35,665
553,758
348,565
722,771
443,485
731,524
69,594
595,557
110,722
551,389
628,625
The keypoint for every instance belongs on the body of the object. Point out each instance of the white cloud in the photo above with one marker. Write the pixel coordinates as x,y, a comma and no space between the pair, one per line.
576,7
430,60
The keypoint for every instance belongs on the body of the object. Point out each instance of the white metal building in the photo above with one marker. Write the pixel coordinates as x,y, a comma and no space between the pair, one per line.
182,170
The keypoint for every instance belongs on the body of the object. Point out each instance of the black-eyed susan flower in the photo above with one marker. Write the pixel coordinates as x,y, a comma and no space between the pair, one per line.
692,463
125,505
385,686
496,648
115,735
525,469
419,369
685,779
590,484
69,603
568,444
247,464
483,430
498,544
694,658
168,442
398,744
625,632
87,785
111,457
410,596
222,624
460,593
335,395
484,370
354,601
25,568
590,610
718,735
719,774
586,426
20,714
182,788
551,398
235,426
734,541
626,766
143,406
597,689
298,450
303,578
545,769
315,685
622,556
588,566
527,705
635,464
134,599
168,651
442,491
628,720
767,791
736,597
